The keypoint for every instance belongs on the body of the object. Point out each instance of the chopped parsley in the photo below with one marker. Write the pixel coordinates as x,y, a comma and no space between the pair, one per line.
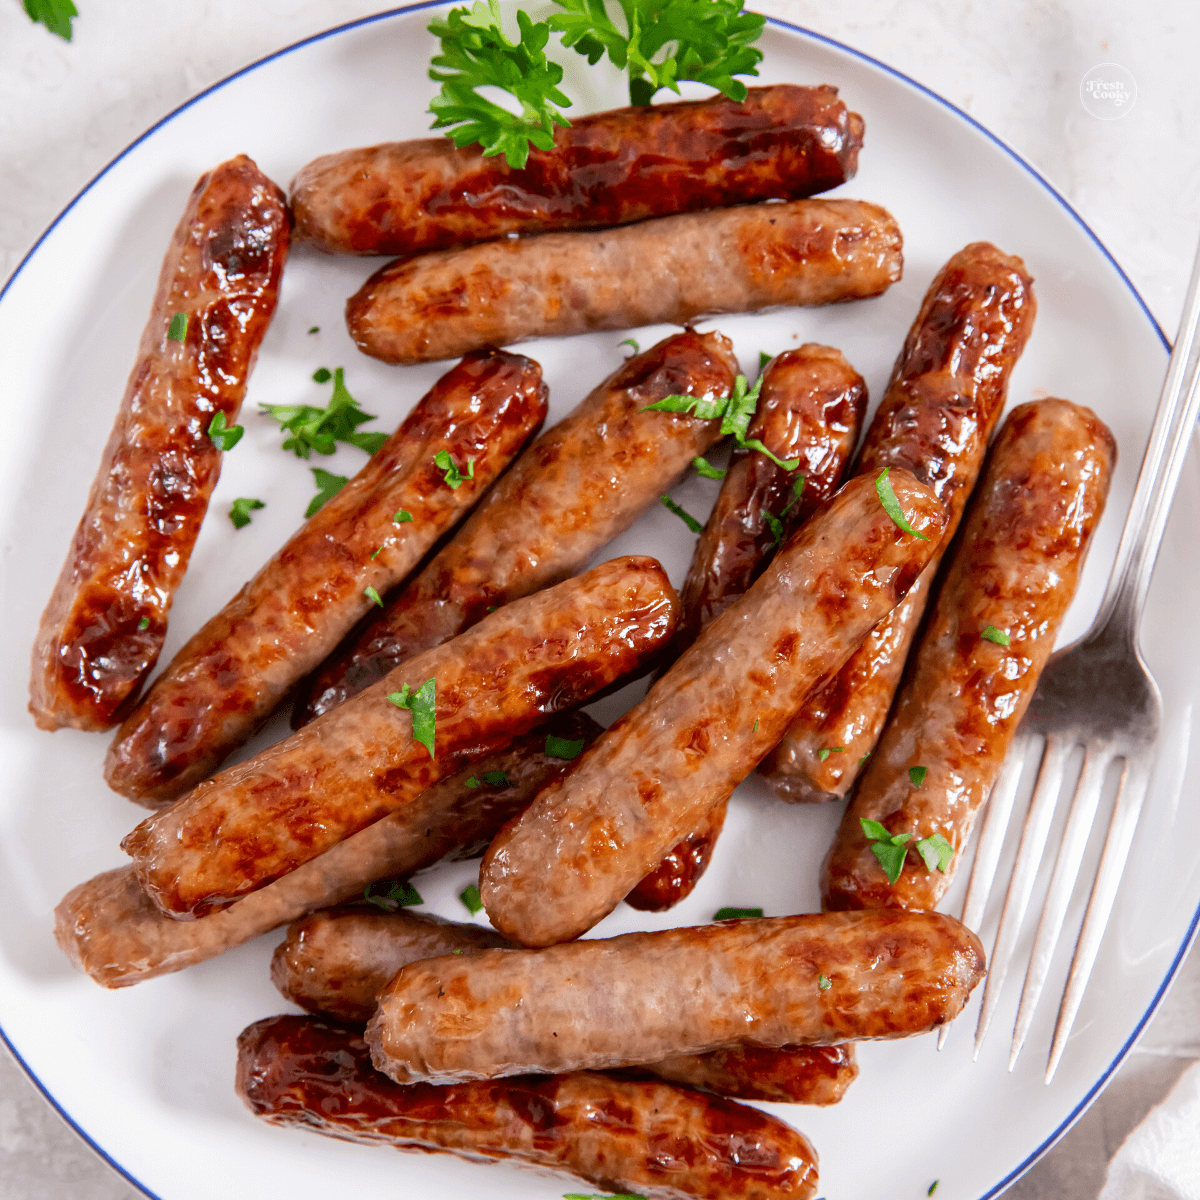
177,330
315,329
143,624
917,775
470,897
891,506
889,849
735,914
824,982
826,751
682,513
763,359
328,486
630,342
402,517
992,634
421,704
558,747
453,476
473,781
400,894
936,851
705,468
371,594
320,429
775,523
223,436
240,509
322,375
498,778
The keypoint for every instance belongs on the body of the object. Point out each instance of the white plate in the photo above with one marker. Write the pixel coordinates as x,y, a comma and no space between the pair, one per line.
146,1074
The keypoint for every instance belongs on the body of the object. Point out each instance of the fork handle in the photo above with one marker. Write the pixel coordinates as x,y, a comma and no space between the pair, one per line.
1166,450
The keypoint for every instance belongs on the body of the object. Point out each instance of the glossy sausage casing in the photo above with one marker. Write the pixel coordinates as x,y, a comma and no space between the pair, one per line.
229,676
946,394
580,484
648,781
263,818
338,961
645,1138
1015,568
810,408
673,270
609,168
109,928
104,626
642,997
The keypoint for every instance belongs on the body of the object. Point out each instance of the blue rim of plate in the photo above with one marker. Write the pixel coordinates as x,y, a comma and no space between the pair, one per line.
1028,167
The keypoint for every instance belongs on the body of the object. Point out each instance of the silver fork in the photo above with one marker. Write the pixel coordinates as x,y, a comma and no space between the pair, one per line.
1098,694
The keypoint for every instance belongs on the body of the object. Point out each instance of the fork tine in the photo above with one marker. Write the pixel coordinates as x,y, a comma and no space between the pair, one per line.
1062,886
996,814
1131,796
1020,887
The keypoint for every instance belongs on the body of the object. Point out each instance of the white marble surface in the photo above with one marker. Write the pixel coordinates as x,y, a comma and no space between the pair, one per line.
1015,65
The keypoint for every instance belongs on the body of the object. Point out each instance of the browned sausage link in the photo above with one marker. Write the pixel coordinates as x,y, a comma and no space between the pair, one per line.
586,841
230,676
608,168
945,396
338,961
810,408
643,997
263,818
104,626
672,270
579,485
648,1138
1015,569
109,928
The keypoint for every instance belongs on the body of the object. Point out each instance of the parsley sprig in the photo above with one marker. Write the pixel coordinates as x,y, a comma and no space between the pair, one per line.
328,486
892,849
56,15
320,429
422,705
400,894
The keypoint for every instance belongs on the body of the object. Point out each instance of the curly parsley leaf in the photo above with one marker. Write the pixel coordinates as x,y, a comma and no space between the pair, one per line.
239,510
422,705
682,513
400,894
328,486
224,436
320,429
665,41
936,851
470,897
890,849
891,505
476,53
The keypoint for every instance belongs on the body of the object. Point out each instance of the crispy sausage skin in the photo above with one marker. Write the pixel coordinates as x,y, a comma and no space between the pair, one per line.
229,677
810,408
339,960
109,928
648,1138
1015,568
673,270
579,485
946,394
643,997
104,626
262,818
608,168
585,842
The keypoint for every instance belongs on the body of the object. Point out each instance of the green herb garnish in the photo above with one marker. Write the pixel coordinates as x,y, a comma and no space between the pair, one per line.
322,375
630,342
824,982
733,914
402,517
891,506
603,1196
240,509
933,1187
992,634
917,775
453,477
320,429
558,747
421,704
936,851
472,781
56,15
498,778
223,436
705,468
328,486
775,523
143,624
889,849
685,516
826,751
763,359
755,729
371,594
470,897
315,329
177,330
400,894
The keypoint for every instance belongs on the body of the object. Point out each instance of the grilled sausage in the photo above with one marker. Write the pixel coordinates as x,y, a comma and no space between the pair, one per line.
584,843
104,626
946,394
608,168
229,677
673,269
109,928
810,408
1015,570
263,818
643,997
338,961
662,1142
578,486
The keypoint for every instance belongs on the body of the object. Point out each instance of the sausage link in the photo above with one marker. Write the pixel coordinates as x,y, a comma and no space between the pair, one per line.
585,842
609,168
672,270
106,621
109,928
946,394
576,488
229,677
644,997
810,408
263,818
338,961
1015,569
648,1138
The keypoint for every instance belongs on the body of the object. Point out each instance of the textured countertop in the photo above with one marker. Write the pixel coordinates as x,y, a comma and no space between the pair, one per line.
1014,65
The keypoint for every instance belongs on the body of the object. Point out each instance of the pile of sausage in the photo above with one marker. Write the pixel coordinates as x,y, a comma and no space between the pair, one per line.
800,646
